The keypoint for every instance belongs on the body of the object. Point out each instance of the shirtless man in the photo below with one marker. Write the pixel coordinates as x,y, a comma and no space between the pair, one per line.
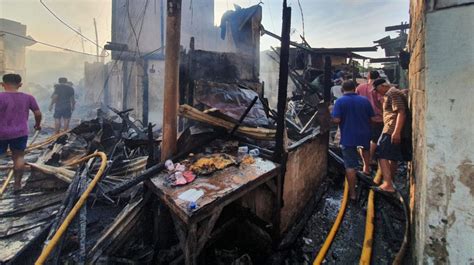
64,103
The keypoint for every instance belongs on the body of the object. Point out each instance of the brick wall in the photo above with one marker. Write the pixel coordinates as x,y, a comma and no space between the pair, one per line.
416,75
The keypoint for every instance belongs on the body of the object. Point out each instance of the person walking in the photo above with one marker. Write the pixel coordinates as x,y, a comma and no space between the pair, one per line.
376,100
353,114
14,111
389,148
64,103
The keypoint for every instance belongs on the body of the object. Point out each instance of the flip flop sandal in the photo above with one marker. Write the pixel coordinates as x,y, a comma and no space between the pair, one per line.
392,194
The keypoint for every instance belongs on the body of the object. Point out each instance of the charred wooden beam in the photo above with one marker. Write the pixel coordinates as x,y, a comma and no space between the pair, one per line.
195,114
384,60
327,79
397,27
247,110
118,230
322,50
283,82
71,194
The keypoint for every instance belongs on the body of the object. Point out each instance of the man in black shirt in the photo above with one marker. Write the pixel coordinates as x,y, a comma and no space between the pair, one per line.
63,99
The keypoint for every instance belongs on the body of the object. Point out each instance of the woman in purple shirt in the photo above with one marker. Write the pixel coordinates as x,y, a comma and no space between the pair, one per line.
14,110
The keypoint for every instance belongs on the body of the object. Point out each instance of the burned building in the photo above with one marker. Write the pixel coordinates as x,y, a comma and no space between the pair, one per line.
12,48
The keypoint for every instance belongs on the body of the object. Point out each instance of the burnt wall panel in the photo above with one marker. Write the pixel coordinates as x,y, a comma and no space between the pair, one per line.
306,168
222,67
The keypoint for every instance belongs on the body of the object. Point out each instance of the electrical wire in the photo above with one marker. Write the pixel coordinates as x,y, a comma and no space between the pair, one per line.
137,37
302,17
67,25
143,20
50,45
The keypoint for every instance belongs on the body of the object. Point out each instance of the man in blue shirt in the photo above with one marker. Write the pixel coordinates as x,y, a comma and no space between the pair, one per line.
353,113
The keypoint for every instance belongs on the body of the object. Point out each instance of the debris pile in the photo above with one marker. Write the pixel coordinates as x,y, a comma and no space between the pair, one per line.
58,177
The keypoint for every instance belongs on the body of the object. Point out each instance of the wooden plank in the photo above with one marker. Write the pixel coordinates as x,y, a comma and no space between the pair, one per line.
21,204
206,229
14,244
59,172
220,189
117,229
181,232
195,114
277,202
190,248
18,224
306,167
290,237
397,27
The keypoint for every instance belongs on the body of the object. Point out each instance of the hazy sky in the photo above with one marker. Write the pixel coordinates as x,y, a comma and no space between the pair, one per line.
328,23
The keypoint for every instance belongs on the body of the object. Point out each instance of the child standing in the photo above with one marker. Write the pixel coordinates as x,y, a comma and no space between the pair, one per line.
14,110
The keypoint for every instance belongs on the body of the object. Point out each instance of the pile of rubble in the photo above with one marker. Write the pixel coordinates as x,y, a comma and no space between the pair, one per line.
109,226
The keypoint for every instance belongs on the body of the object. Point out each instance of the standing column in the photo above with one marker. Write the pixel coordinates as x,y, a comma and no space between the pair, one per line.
171,91
283,82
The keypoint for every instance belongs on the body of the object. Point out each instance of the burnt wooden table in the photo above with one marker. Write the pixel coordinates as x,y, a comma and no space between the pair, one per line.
220,189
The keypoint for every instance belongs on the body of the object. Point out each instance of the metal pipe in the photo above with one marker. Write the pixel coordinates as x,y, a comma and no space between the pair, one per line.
69,218
171,91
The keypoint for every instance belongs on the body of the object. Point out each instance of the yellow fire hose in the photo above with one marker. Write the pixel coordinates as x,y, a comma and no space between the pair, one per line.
67,221
10,172
5,184
369,224
324,249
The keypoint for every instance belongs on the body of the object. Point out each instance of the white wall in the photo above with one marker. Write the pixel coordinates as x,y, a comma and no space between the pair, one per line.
156,84
447,196
197,20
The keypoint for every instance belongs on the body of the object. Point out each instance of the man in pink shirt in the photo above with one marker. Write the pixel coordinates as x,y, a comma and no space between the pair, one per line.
14,110
376,100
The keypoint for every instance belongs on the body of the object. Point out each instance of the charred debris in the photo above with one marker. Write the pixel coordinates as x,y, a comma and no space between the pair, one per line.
223,110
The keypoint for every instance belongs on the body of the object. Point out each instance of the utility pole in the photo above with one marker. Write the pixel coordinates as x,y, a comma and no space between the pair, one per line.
143,65
327,79
171,91
96,40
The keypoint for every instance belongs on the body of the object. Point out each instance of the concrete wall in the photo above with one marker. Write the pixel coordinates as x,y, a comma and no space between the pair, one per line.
13,55
441,82
114,95
197,20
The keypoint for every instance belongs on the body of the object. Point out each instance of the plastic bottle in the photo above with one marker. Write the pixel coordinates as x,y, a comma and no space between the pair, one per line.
254,152
192,206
